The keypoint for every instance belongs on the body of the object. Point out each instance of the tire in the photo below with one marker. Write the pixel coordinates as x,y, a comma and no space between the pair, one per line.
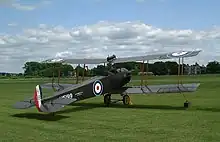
126,100
107,99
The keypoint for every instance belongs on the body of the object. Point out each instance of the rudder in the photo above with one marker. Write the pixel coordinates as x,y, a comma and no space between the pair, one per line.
37,98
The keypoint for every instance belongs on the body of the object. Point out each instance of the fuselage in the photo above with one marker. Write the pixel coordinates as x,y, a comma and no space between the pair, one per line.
120,79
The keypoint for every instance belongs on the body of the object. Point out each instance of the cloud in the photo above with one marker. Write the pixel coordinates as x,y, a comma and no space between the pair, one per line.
17,4
23,7
12,24
103,39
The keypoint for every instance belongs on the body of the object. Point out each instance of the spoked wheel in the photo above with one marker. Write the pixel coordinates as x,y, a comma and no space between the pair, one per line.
126,100
107,99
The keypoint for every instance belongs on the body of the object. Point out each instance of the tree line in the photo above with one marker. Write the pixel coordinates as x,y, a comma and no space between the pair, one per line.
37,69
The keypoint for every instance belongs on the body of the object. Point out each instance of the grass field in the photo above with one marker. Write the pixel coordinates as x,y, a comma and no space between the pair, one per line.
150,118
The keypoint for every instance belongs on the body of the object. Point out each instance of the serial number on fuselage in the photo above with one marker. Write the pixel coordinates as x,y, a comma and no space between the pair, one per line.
70,95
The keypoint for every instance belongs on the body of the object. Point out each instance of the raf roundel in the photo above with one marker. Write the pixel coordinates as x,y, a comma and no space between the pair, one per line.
97,87
176,54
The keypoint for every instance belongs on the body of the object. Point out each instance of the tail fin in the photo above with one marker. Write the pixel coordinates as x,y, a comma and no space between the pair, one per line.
38,98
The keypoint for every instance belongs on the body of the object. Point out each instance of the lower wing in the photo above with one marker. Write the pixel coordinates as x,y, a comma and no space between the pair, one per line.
56,86
158,89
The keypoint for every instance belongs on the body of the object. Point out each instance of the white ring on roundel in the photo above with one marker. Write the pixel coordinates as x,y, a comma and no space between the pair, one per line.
97,88
179,53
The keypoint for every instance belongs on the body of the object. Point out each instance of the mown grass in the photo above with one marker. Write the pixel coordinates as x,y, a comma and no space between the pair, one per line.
150,118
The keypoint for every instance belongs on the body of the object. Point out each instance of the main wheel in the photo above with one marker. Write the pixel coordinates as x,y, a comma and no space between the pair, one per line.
107,99
126,100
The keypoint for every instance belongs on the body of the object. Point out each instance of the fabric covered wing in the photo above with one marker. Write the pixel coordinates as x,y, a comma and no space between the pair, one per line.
26,103
157,89
77,61
23,105
55,85
160,56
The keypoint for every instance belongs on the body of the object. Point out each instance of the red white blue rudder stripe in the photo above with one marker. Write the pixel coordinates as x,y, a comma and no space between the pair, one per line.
97,88
37,99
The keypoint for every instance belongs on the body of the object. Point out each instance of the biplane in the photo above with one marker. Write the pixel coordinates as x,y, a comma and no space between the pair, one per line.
115,82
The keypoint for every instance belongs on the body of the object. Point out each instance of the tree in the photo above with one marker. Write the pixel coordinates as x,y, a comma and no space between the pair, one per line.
99,70
213,67
159,68
46,69
172,67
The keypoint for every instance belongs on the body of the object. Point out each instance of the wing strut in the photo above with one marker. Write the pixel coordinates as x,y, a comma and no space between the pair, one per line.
180,71
142,72
53,79
84,67
58,79
146,82
77,74
180,77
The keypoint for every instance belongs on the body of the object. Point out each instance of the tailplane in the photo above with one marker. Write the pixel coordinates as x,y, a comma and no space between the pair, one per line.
31,102
49,104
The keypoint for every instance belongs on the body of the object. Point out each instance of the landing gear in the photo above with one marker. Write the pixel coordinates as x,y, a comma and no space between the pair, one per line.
125,99
107,99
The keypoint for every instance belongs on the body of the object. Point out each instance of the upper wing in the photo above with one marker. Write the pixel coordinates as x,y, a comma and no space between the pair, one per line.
161,56
77,61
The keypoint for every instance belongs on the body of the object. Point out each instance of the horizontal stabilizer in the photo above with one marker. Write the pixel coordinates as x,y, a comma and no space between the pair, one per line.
169,88
23,105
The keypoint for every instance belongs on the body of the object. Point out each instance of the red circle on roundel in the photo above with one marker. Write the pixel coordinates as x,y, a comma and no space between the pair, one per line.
97,87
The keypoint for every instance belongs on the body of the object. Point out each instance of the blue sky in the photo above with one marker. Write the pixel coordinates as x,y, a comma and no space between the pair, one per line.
36,29
180,14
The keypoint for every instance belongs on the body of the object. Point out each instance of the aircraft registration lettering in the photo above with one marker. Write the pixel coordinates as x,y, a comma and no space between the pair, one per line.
68,96
79,94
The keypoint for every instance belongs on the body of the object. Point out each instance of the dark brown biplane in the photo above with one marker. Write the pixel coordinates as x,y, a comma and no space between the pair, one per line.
115,82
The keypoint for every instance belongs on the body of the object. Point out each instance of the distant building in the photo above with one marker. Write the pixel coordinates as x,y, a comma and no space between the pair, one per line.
9,74
192,69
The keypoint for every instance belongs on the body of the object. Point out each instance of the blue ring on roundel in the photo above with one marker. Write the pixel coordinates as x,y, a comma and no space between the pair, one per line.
94,89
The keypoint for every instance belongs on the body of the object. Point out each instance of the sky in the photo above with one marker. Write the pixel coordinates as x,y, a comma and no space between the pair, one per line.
35,30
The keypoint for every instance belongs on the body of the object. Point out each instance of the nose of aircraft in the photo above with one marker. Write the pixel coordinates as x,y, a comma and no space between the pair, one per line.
127,76
129,73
